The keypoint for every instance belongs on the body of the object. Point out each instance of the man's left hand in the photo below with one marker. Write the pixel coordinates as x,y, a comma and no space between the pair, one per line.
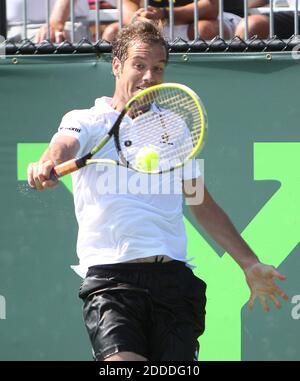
260,279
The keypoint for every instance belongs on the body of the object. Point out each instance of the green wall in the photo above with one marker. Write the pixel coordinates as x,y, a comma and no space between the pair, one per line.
251,158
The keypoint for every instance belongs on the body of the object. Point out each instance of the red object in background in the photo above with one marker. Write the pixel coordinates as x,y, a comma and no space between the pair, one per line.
102,4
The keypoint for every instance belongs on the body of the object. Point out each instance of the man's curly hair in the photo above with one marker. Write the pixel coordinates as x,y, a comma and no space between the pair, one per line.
139,31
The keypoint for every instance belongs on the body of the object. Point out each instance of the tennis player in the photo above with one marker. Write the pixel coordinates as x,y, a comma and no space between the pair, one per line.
141,298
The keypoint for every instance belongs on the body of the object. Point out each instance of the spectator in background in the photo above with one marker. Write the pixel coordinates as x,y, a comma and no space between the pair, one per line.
111,7
60,27
259,24
208,24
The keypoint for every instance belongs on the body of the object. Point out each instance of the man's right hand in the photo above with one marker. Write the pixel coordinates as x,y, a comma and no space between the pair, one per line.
38,175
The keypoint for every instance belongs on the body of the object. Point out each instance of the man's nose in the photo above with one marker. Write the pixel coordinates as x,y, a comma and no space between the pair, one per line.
148,75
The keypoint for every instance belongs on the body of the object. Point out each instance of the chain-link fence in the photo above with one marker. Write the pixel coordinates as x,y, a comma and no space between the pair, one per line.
217,45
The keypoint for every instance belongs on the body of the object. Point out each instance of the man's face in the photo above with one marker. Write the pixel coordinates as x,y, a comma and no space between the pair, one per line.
143,68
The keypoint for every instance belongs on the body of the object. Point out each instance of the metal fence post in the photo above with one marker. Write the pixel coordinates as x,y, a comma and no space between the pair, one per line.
3,26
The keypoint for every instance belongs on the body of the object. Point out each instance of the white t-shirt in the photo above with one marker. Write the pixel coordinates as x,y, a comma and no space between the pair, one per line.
122,214
37,10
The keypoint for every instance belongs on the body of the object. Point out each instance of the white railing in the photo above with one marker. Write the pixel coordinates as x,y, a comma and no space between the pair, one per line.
98,16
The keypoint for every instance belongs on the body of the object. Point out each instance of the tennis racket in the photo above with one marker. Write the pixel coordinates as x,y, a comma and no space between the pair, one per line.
159,129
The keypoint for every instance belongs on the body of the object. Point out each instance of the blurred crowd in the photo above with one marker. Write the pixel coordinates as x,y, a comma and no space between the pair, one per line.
60,26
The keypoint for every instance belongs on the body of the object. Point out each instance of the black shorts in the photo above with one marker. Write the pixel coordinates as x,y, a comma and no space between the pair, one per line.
284,24
156,310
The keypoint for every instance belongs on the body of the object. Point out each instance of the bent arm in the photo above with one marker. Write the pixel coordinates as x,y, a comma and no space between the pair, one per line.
61,149
59,15
208,9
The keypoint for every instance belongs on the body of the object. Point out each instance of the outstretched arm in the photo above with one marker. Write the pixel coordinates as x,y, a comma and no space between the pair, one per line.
260,277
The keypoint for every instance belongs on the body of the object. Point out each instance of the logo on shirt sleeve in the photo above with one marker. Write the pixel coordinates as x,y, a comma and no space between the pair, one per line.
70,129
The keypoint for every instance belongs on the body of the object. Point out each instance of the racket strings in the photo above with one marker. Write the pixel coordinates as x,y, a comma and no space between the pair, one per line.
183,105
150,131
171,126
172,143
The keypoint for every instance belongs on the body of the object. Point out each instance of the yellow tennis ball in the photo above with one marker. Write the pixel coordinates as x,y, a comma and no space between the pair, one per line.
147,159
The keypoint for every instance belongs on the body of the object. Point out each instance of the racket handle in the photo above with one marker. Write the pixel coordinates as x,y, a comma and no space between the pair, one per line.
64,169
53,176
